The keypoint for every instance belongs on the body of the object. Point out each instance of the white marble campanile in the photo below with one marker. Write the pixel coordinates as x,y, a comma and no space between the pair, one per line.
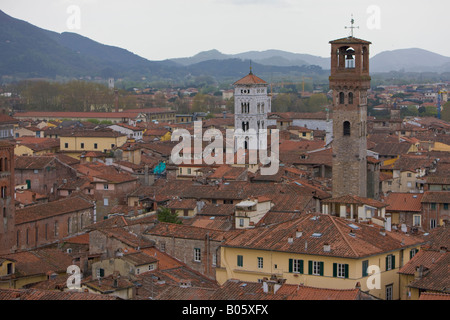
251,106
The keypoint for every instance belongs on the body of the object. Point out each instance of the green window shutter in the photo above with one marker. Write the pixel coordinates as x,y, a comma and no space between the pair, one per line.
335,270
240,261
309,267
387,262
365,265
411,254
301,266
291,265
393,262
321,268
346,271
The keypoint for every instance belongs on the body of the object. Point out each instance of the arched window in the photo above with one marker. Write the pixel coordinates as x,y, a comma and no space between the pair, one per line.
346,128
341,98
350,98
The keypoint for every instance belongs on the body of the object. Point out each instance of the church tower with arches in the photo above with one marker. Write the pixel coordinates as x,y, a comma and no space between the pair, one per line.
252,103
349,81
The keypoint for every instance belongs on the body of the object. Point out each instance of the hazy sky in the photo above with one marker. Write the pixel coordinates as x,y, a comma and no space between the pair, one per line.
162,29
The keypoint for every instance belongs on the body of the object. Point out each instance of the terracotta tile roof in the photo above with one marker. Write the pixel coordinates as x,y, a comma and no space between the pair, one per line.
117,177
250,79
349,40
79,239
300,145
40,262
32,162
27,197
165,261
210,222
51,209
437,179
127,237
436,197
184,232
94,134
181,283
398,201
5,119
107,285
217,210
436,278
434,296
139,258
413,162
424,257
37,294
438,237
345,241
38,144
227,172
182,204
391,148
240,290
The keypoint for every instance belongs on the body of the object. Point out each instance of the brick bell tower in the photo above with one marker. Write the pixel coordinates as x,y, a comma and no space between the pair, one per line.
349,80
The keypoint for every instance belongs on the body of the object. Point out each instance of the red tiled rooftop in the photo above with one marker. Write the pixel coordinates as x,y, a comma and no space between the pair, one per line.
399,201
249,80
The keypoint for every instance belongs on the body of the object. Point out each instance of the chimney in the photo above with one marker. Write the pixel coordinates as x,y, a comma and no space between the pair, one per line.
291,240
298,233
326,247
271,286
383,231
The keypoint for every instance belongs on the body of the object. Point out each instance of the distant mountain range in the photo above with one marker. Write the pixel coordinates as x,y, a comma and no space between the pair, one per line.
27,51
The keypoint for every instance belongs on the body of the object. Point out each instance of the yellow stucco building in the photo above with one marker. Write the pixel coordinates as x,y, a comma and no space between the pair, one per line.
75,143
320,251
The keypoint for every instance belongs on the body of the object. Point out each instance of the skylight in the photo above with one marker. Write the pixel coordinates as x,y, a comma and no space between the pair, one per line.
316,235
351,225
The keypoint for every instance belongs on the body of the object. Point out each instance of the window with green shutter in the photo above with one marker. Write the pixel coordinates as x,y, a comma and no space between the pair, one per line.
340,270
240,261
315,268
365,267
390,262
296,266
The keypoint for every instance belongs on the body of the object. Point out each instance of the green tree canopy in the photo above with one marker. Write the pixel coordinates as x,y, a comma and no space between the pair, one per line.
166,215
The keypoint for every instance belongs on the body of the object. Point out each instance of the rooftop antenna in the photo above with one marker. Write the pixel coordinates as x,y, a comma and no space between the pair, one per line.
352,27
251,67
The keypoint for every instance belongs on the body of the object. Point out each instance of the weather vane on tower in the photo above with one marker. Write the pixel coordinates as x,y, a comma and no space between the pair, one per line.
352,26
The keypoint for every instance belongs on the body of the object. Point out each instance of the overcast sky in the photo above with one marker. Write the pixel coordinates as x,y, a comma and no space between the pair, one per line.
163,29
